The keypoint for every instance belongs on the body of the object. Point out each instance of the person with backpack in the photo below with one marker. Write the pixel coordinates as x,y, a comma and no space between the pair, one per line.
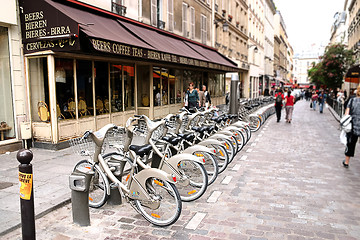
352,109
279,97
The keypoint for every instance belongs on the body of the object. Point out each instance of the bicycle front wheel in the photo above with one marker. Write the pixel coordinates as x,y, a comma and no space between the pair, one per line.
198,180
169,203
98,184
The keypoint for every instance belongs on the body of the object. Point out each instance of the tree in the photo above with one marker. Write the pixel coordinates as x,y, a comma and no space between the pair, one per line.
331,69
316,74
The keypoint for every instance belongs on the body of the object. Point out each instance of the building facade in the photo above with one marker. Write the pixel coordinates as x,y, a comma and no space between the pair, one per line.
268,77
339,29
88,66
12,90
256,48
352,78
230,37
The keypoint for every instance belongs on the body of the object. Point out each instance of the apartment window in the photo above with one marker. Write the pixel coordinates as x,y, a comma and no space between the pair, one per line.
118,7
171,15
192,23
184,19
203,29
154,12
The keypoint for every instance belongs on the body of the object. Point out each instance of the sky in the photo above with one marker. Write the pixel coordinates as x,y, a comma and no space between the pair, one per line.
308,21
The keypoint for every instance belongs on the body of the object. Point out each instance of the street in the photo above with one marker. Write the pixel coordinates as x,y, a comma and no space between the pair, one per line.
287,183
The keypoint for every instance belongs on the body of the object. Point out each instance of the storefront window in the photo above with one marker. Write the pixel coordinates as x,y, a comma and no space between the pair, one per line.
178,77
212,85
64,78
164,86
188,78
157,86
39,87
85,88
101,88
116,87
6,110
129,87
143,87
172,83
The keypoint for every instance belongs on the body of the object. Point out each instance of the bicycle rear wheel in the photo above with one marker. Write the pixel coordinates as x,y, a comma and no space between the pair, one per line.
197,175
99,184
168,198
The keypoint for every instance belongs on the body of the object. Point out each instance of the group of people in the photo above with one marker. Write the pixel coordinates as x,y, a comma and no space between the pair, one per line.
318,99
194,98
288,100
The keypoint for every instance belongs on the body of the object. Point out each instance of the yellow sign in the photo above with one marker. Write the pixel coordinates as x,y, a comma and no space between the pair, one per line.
25,180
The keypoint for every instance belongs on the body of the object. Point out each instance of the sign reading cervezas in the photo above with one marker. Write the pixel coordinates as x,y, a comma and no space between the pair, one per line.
40,33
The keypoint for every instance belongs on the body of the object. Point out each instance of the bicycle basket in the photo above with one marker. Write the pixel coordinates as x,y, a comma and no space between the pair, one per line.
173,124
83,147
184,123
116,137
158,133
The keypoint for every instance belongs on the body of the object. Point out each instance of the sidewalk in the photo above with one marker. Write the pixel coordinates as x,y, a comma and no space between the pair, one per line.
287,183
51,188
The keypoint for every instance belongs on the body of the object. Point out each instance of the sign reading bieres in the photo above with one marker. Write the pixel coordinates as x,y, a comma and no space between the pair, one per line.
45,28
130,51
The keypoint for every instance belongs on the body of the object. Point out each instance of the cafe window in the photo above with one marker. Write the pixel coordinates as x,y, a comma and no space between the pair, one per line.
6,110
164,86
101,73
156,86
65,94
84,88
39,88
178,79
172,85
212,85
129,87
116,87
143,87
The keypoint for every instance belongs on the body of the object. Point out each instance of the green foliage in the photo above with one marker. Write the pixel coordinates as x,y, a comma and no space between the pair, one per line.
331,69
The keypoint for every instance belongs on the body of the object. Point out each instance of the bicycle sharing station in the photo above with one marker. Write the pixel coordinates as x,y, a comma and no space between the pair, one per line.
181,156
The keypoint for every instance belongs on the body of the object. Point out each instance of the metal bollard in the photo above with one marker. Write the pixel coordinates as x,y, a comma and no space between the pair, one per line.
115,197
234,98
79,182
25,156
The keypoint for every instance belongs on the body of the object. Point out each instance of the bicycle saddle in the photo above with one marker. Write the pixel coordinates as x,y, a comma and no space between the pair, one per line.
172,140
200,129
141,150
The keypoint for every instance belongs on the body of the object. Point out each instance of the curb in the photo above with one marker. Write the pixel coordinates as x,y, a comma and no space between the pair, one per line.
37,216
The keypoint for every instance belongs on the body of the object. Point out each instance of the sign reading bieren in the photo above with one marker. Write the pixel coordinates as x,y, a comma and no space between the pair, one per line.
131,51
44,27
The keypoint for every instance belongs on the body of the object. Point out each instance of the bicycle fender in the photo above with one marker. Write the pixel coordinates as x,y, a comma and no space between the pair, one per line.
210,141
224,133
137,188
196,148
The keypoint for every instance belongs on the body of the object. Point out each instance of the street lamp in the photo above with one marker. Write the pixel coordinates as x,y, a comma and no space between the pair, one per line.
255,49
225,24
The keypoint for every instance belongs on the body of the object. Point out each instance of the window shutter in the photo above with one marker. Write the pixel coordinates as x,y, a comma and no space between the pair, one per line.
192,22
184,20
203,29
170,15
154,12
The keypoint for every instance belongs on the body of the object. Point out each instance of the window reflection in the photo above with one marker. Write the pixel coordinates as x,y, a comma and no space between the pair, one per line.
101,88
85,88
129,87
116,87
64,78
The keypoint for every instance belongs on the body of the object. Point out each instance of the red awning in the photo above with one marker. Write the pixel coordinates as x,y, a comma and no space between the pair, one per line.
109,33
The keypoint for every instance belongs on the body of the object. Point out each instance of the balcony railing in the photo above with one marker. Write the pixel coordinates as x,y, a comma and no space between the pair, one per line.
161,24
118,9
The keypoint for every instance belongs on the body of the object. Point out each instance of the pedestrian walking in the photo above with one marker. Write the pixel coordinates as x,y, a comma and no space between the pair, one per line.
352,109
289,106
279,97
314,99
321,100
193,96
201,98
207,97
